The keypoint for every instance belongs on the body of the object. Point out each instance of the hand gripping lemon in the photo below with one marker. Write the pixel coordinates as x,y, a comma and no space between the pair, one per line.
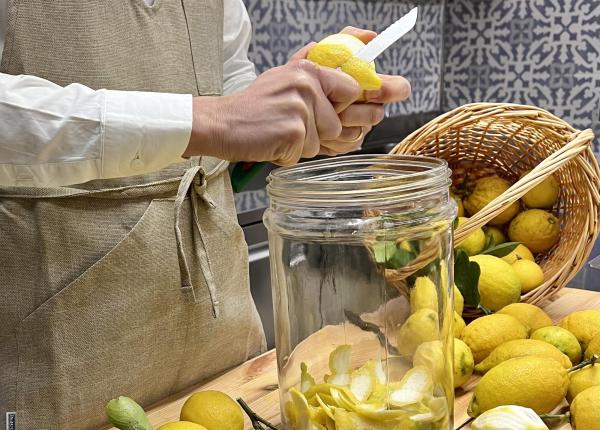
337,51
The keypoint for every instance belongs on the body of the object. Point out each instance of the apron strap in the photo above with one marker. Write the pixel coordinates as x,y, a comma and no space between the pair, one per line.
194,184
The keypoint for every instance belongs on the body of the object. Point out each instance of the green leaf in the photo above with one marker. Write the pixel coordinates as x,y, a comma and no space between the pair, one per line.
502,249
400,259
466,277
490,242
384,251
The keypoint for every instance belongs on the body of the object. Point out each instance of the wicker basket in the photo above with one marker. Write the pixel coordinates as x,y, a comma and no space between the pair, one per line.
505,139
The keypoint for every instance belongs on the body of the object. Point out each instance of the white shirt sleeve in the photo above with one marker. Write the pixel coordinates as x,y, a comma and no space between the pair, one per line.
53,136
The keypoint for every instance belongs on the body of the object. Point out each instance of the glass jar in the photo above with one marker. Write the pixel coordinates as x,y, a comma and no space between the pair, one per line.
361,269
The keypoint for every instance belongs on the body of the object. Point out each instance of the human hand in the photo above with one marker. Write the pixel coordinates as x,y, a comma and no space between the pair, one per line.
281,117
358,118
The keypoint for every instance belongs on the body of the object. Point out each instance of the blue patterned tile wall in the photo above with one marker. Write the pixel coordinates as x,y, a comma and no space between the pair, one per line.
539,52
282,26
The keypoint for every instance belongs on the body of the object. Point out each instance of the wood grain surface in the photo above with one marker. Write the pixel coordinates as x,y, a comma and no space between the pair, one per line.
256,380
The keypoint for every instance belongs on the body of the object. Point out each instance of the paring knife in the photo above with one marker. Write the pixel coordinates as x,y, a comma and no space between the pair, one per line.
244,172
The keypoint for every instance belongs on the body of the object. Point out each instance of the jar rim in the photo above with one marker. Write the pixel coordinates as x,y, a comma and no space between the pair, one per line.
359,180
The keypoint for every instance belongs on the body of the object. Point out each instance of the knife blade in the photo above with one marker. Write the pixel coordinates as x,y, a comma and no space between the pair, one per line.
388,37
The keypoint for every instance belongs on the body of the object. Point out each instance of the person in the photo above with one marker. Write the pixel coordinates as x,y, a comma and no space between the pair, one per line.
124,271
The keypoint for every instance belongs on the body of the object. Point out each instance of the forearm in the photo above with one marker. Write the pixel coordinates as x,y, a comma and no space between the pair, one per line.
52,135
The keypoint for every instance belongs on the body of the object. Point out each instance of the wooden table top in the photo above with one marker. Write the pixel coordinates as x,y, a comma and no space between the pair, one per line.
256,380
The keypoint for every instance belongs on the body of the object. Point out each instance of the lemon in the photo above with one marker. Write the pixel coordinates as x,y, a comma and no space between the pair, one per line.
181,425
463,363
431,356
530,315
521,252
496,233
543,195
486,190
508,417
539,383
522,348
337,51
422,326
499,284
484,334
423,295
593,347
213,410
459,325
530,274
583,379
459,205
459,301
583,324
585,409
538,230
563,339
474,243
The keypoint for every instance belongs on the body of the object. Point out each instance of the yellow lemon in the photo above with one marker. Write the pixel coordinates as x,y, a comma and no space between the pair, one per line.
530,274
583,324
593,347
213,410
543,195
423,295
539,383
485,334
496,233
538,230
338,50
498,284
474,243
422,326
521,252
459,325
486,190
459,301
463,363
459,205
585,409
583,379
522,348
181,425
530,315
564,340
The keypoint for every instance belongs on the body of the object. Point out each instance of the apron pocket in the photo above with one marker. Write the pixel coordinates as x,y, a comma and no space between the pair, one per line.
116,329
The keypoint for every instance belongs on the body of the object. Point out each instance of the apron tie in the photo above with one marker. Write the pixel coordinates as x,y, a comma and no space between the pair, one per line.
194,184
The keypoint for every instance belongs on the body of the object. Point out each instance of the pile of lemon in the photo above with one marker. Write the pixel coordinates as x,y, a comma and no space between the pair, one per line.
528,223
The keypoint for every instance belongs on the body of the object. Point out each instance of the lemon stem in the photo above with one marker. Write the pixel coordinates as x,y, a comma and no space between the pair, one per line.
255,418
564,416
484,309
584,363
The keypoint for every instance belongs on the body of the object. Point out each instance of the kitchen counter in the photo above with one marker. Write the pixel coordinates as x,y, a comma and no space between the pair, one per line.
256,380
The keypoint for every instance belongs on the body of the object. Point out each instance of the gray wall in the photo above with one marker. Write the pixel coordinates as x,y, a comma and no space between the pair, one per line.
539,52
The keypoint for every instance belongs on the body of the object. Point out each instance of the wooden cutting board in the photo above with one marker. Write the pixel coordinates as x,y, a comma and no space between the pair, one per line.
256,380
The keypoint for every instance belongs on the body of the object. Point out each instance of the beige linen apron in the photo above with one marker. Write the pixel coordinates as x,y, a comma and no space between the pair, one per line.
135,286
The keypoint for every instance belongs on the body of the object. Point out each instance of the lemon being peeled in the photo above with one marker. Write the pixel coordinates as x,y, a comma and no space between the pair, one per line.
337,51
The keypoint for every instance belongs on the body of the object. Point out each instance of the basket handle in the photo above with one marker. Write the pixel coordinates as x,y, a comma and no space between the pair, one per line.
579,143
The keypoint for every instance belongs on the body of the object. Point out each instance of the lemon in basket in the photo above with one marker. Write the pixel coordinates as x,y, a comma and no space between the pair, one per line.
521,252
537,229
530,274
337,51
486,190
543,195
499,284
474,243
